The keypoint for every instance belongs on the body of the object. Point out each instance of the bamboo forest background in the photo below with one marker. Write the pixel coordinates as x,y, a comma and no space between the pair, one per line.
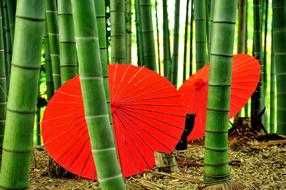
184,55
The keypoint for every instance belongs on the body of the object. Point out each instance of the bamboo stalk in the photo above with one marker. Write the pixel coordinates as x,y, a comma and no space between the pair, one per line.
166,40
7,42
48,67
22,102
128,16
279,38
158,37
149,54
201,33
3,90
53,34
191,38
175,56
216,167
11,7
186,41
68,56
95,107
139,39
118,31
257,99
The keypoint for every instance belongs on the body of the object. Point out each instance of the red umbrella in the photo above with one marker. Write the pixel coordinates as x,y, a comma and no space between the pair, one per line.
194,91
147,117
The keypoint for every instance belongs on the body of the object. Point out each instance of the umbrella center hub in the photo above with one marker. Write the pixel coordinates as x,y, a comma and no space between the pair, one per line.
114,106
199,83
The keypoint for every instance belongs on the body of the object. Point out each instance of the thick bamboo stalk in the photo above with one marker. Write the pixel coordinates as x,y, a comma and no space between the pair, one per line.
257,99
3,90
186,41
166,40
216,167
149,54
102,39
53,34
118,31
175,56
95,107
68,56
200,33
279,47
22,102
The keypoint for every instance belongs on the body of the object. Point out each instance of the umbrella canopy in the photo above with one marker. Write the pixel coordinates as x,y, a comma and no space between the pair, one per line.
194,91
147,116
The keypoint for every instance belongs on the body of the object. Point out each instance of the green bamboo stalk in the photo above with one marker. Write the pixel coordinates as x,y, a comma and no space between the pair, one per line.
210,21
53,34
48,67
257,99
96,111
158,37
22,102
149,54
11,5
216,167
272,114
191,38
241,27
101,25
7,42
128,16
68,56
118,31
200,33
3,90
241,32
139,39
186,41
247,106
279,47
166,40
175,56
264,76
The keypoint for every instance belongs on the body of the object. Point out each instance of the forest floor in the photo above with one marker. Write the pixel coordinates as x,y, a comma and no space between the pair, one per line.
258,162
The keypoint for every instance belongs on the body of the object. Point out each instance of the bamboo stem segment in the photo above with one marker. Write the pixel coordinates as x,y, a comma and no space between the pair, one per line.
216,167
95,107
22,103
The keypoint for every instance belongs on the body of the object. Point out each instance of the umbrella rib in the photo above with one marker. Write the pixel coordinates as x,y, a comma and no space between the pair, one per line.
153,111
146,131
85,163
150,92
120,84
126,146
132,115
69,150
134,142
131,88
67,94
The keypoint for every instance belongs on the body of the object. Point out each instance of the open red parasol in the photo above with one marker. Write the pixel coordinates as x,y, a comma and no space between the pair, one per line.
194,91
147,116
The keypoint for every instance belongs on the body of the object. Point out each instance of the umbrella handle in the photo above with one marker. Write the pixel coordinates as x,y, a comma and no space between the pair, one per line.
189,125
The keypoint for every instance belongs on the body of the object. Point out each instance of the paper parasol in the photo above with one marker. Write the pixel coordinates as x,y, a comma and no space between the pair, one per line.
194,91
147,116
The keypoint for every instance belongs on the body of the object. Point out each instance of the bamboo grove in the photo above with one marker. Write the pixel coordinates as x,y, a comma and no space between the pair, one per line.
44,43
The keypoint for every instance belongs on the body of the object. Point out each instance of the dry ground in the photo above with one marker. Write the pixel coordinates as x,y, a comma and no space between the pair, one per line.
257,165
